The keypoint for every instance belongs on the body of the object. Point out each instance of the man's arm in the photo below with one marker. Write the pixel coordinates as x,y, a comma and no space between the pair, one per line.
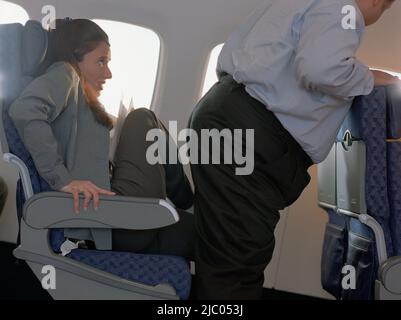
325,57
3,194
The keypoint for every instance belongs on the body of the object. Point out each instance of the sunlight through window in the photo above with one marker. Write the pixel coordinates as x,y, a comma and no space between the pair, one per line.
12,13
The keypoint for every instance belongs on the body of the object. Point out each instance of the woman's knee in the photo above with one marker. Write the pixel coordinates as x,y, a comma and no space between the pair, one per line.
138,123
139,241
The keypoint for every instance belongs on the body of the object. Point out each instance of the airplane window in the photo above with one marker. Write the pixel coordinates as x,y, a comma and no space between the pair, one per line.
12,13
211,77
134,60
396,74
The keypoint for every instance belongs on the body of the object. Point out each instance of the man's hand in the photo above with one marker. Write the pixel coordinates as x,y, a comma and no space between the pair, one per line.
90,190
384,79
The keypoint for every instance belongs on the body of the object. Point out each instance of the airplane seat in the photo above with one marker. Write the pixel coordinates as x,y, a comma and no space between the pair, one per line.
43,214
359,185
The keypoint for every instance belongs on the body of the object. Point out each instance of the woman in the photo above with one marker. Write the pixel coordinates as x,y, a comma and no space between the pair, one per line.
3,194
66,130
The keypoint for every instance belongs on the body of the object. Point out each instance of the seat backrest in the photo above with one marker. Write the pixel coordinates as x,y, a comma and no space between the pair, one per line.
20,59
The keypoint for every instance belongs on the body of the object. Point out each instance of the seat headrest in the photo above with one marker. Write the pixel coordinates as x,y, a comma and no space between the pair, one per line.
22,50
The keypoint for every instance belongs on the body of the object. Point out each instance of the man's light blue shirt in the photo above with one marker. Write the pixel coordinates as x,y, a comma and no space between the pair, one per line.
296,58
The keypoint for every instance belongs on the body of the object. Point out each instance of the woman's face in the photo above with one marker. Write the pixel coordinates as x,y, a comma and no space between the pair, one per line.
94,66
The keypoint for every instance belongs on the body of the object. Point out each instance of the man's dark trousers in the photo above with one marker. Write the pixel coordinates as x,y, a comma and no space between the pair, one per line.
236,214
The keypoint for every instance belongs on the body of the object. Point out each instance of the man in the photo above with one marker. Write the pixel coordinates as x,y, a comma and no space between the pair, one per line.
290,74
3,194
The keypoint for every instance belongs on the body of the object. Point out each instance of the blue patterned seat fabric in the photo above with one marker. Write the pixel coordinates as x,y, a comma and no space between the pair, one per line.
394,170
143,268
348,241
374,133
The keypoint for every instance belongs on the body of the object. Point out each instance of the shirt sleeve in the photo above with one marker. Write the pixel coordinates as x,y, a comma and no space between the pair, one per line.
38,106
325,58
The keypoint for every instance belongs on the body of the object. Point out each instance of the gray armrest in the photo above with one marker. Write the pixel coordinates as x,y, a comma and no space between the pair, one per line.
55,210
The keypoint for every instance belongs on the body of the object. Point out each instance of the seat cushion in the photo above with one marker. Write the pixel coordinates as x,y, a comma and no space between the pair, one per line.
144,268
394,181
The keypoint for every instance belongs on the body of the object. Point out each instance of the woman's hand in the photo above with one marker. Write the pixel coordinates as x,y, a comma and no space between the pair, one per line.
384,79
90,191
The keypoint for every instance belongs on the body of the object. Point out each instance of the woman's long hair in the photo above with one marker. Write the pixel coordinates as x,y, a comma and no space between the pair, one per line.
69,42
